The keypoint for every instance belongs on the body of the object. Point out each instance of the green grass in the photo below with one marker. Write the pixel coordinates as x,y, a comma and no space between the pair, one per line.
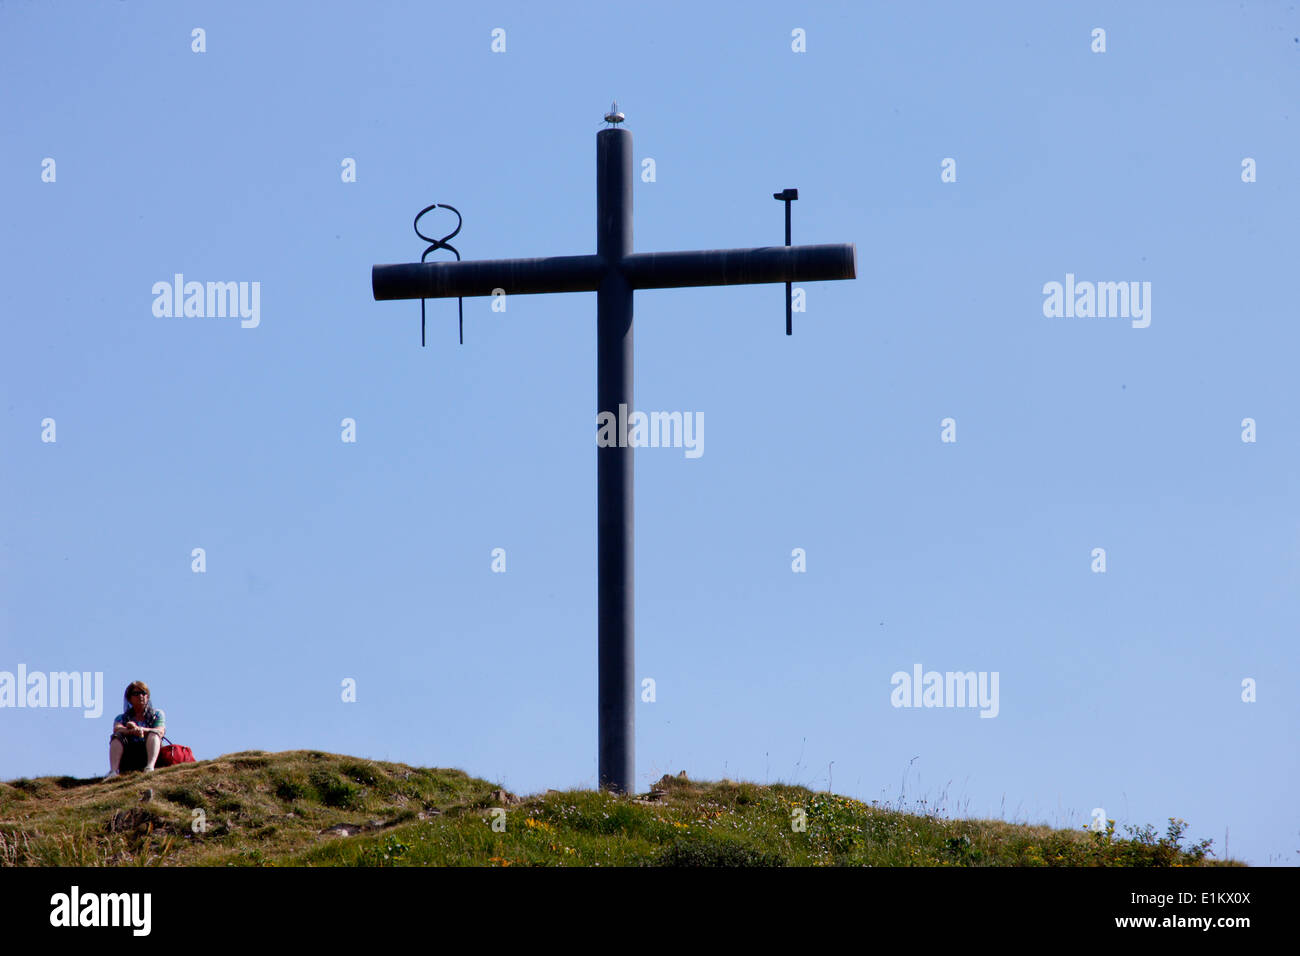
259,809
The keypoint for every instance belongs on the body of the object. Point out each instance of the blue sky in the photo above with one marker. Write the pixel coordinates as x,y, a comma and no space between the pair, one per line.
371,560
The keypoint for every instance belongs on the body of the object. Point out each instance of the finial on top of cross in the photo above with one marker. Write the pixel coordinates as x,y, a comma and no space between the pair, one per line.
614,117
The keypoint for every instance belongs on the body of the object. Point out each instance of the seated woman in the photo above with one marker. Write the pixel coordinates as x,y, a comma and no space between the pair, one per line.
137,732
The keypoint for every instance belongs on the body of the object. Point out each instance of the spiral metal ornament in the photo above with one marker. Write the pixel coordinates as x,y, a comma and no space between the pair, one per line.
436,244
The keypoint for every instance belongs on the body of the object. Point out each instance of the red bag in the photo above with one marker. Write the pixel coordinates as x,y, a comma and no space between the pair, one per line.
174,754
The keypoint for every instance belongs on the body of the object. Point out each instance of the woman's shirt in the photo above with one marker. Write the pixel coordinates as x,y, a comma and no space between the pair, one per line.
153,717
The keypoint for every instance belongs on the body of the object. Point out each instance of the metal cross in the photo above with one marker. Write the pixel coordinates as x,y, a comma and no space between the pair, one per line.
613,273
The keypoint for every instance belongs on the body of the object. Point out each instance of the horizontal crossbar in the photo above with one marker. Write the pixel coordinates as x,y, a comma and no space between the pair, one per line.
643,270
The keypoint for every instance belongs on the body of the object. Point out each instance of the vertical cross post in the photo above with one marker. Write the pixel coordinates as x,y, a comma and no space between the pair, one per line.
614,469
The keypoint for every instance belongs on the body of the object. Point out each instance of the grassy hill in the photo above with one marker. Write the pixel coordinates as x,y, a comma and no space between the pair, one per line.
306,808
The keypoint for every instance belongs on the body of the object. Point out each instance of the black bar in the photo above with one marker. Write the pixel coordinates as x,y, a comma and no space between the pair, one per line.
789,290
667,270
616,699
450,280
1096,897
643,270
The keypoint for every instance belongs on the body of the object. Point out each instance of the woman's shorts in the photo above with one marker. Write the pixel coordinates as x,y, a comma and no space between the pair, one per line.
134,755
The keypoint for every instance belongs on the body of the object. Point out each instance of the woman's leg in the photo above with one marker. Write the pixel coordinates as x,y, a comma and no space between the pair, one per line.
114,754
152,744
